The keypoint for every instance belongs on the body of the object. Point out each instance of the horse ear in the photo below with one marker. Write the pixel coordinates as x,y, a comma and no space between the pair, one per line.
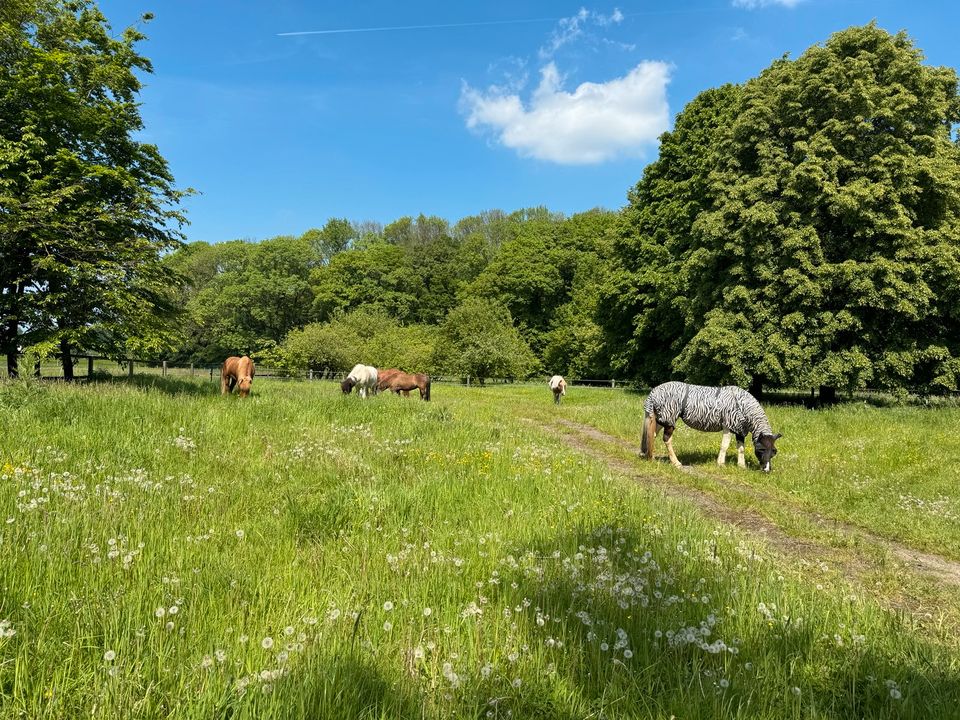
777,436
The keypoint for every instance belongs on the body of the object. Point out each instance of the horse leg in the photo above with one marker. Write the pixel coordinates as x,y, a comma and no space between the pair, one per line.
668,439
556,398
741,458
724,444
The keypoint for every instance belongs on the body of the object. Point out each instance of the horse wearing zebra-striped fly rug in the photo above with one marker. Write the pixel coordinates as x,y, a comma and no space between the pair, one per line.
729,409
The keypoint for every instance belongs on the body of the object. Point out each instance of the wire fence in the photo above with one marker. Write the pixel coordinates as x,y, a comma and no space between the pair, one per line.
96,367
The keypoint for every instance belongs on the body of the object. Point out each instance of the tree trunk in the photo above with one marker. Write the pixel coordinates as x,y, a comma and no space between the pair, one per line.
828,395
66,359
11,349
756,386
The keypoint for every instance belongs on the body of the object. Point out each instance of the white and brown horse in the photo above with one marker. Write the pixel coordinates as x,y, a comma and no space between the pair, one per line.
362,377
559,387
236,371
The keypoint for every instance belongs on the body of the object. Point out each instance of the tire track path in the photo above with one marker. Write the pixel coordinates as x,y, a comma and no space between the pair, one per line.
585,439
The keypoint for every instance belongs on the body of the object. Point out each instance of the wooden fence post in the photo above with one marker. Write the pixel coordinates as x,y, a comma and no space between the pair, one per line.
89,366
211,373
191,369
311,375
164,368
130,367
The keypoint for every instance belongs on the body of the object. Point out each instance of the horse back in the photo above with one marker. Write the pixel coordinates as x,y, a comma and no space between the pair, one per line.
229,366
245,367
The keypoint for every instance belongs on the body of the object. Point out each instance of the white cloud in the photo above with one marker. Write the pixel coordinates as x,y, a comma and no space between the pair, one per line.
754,4
594,123
569,29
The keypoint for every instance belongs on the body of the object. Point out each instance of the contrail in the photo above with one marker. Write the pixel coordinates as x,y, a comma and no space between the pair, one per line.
417,27
392,28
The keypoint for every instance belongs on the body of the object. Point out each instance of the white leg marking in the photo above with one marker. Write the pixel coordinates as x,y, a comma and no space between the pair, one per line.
724,444
741,458
673,456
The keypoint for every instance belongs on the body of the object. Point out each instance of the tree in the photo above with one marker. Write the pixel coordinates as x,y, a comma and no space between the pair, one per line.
379,275
335,237
815,236
478,339
241,296
367,335
85,209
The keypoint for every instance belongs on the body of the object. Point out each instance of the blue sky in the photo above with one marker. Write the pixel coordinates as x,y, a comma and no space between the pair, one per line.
507,105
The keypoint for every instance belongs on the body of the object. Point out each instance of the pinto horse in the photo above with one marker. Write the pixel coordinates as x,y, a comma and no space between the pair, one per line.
236,371
364,378
559,387
399,381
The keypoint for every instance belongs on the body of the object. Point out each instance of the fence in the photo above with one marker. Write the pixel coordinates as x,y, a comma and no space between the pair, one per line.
87,367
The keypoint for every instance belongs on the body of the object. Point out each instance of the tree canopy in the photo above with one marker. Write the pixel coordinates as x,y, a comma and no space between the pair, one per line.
801,229
86,210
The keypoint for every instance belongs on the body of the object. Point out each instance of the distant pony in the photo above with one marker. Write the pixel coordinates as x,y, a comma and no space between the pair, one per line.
236,371
399,381
363,377
559,387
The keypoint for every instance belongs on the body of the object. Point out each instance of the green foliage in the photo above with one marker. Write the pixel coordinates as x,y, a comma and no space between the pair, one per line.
335,237
801,229
478,339
367,335
380,275
240,296
85,209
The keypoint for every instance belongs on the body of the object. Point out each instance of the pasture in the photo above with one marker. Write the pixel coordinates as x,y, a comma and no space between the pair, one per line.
172,553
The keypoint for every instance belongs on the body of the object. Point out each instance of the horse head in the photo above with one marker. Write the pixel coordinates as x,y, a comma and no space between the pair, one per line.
244,383
765,448
347,385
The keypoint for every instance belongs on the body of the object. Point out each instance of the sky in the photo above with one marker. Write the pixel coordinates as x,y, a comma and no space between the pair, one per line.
284,114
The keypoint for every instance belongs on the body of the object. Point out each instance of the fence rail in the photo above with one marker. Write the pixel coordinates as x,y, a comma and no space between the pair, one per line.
87,367
93,367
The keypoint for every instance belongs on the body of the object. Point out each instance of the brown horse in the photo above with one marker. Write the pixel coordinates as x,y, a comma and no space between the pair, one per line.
399,381
236,371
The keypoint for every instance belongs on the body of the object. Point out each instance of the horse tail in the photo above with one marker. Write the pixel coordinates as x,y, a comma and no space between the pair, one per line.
427,394
649,435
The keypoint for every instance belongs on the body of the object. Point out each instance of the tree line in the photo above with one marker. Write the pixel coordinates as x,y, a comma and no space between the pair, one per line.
799,229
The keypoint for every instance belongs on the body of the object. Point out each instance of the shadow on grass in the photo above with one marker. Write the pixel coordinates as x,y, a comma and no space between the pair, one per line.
349,687
834,679
167,385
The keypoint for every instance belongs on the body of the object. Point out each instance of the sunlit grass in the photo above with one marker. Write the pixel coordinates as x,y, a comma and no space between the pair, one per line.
172,553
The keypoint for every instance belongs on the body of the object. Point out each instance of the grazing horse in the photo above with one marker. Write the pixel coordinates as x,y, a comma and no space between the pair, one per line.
712,409
363,377
236,371
559,387
399,381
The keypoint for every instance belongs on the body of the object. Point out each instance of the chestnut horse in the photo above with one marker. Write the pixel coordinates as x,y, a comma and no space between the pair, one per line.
236,371
399,381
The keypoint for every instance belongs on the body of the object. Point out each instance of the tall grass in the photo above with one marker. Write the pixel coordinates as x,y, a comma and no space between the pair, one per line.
171,553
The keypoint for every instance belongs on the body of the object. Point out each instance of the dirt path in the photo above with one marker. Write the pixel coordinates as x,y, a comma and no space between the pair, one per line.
585,439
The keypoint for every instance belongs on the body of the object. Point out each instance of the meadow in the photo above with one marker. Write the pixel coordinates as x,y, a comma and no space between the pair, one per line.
170,553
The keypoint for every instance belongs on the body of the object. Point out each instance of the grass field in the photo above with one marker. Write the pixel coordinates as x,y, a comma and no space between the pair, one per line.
171,553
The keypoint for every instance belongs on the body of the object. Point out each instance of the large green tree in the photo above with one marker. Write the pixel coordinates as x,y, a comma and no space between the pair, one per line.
240,297
86,210
478,339
806,233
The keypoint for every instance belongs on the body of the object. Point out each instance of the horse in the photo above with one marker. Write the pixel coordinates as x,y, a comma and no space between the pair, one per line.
364,377
399,381
236,371
559,387
729,409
